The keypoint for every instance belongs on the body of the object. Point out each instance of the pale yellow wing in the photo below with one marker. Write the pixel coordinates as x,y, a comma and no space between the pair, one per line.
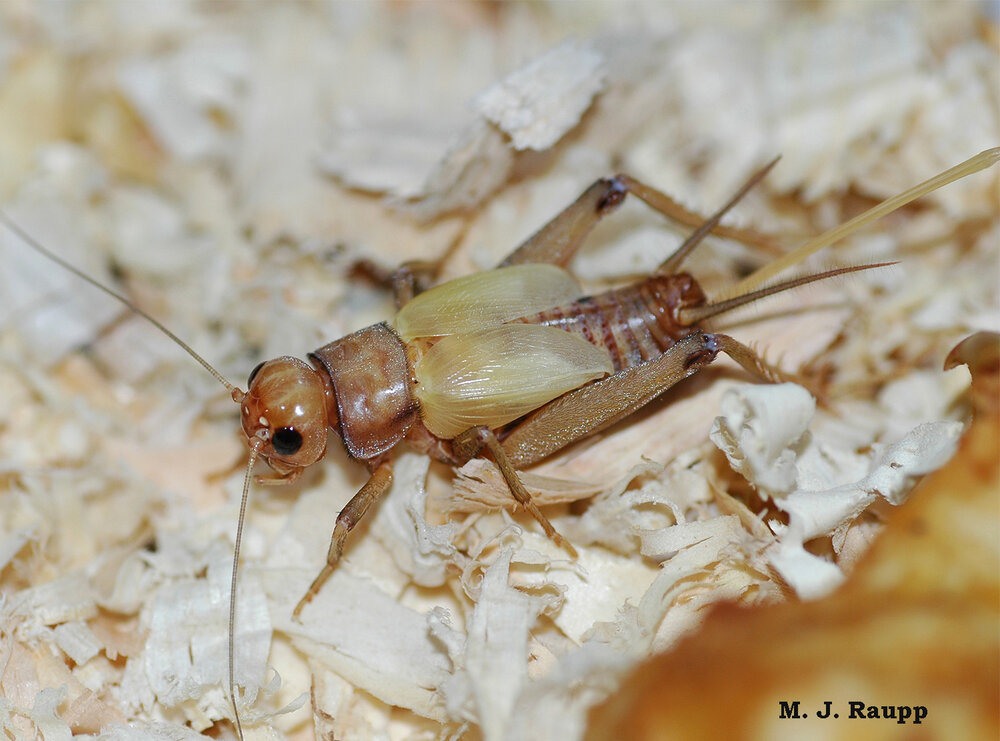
485,300
493,376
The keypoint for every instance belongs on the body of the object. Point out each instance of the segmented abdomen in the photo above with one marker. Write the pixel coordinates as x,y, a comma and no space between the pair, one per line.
632,324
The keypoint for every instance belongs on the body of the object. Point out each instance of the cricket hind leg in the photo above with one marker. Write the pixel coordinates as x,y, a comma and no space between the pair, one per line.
579,413
470,443
751,361
598,405
754,363
559,240
350,515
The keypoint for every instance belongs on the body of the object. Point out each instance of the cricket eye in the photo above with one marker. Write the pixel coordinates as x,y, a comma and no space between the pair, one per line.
286,441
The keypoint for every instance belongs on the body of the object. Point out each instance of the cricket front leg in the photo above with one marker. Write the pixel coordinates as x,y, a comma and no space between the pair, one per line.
469,444
350,515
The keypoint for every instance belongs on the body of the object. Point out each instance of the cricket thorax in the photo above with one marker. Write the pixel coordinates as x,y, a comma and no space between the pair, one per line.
371,386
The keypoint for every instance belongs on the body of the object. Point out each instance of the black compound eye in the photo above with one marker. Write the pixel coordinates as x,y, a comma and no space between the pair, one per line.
286,441
253,374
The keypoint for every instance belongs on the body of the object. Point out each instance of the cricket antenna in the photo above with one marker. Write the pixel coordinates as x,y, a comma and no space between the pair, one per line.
981,161
254,451
235,392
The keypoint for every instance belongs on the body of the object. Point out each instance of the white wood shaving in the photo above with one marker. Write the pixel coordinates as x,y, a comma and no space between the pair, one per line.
537,105
77,641
763,432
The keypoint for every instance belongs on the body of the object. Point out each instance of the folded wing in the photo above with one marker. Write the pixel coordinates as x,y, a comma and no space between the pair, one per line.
493,376
485,299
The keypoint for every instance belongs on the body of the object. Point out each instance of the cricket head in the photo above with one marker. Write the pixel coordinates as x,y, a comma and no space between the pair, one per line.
284,414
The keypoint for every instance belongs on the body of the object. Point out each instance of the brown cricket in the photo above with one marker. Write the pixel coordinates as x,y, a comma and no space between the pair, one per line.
511,363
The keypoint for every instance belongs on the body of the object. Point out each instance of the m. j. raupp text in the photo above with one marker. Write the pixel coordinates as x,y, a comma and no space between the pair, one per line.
914,714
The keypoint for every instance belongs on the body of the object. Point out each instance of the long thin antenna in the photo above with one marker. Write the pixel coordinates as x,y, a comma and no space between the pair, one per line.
981,161
254,449
696,314
37,246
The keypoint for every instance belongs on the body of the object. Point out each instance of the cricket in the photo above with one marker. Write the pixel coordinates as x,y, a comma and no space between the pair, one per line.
512,364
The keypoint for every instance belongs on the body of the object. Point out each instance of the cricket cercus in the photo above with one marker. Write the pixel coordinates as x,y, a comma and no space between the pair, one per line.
511,363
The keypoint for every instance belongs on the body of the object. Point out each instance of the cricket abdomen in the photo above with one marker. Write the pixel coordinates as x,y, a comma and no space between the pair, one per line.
632,324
